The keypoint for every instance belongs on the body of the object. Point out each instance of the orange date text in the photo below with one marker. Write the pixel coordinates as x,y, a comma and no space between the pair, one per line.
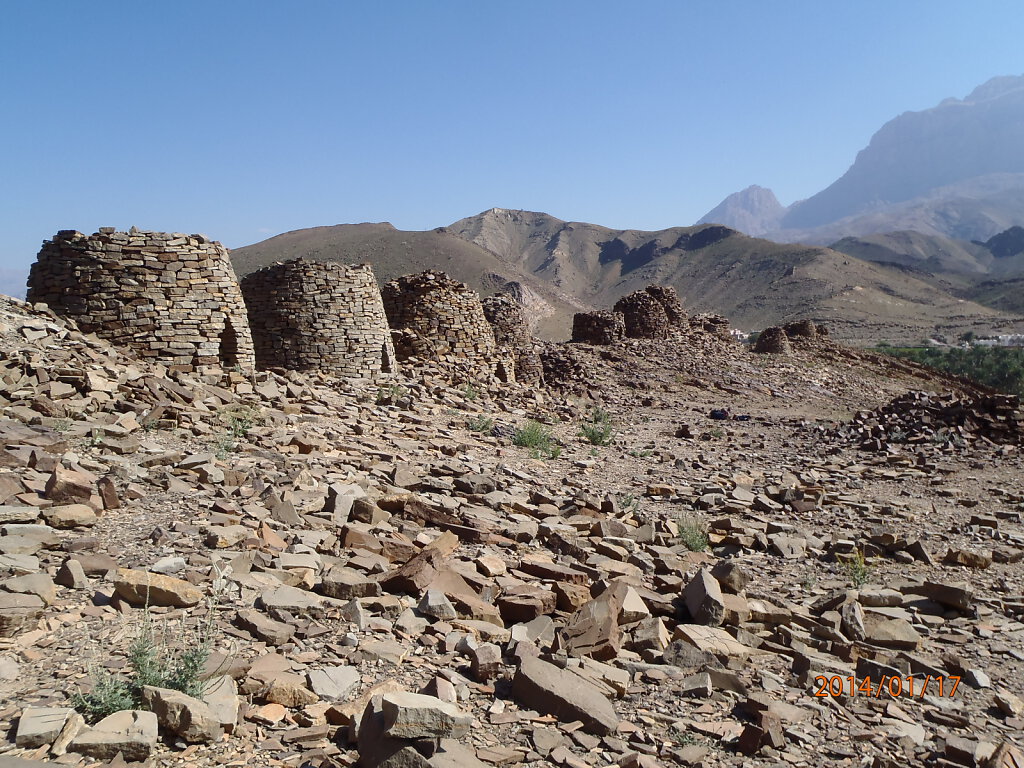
893,687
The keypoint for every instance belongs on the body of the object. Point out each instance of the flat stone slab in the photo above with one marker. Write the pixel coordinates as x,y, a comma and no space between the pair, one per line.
142,588
550,690
414,716
40,725
131,732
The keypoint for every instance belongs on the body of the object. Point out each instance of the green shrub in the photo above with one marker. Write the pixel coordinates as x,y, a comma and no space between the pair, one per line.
857,569
1001,368
390,393
598,429
693,533
166,661
481,424
538,438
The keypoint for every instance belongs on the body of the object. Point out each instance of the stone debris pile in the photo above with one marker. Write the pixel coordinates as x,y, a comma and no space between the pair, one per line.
928,419
382,583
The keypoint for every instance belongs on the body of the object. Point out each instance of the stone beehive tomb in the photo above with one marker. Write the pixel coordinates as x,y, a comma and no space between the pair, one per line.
772,341
643,315
312,315
512,331
599,327
442,320
171,297
668,297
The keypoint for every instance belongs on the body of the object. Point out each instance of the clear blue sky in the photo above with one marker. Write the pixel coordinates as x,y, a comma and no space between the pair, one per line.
244,118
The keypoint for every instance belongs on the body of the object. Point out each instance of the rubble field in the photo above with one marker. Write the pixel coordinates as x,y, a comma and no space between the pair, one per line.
804,559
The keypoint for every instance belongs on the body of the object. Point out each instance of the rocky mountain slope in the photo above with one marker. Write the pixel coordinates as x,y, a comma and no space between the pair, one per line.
955,170
394,253
764,557
753,281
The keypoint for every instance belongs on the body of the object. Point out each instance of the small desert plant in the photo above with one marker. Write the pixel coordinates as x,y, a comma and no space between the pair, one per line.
470,392
857,569
163,661
239,419
598,429
718,433
532,434
224,446
693,533
390,393
538,438
481,424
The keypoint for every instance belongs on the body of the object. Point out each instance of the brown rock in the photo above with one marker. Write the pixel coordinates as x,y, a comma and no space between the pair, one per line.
142,588
550,690
703,599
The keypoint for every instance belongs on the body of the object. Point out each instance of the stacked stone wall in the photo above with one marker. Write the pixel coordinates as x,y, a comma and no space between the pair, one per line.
805,329
643,315
311,315
512,330
171,297
599,327
440,319
773,341
668,297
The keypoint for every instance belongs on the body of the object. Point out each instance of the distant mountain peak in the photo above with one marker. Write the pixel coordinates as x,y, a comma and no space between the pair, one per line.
753,211
995,88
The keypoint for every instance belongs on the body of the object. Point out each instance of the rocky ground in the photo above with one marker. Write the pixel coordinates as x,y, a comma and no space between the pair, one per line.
775,560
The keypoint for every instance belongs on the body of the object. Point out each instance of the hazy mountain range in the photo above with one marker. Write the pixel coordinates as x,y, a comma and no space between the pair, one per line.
955,170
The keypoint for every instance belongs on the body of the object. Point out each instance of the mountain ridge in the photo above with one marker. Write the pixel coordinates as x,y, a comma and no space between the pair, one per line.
955,169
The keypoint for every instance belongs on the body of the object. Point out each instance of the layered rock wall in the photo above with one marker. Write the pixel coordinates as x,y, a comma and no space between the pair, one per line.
172,298
440,319
512,330
312,315
599,327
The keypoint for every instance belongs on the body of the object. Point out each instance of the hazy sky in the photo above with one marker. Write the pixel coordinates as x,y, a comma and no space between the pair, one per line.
245,119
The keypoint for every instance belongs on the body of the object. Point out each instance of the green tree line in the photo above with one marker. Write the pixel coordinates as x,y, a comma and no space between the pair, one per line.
1001,368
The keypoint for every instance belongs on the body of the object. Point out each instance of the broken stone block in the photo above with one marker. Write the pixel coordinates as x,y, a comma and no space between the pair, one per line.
594,629
38,584
730,576
967,558
221,697
70,516
39,726
19,613
187,717
288,690
347,584
72,575
68,486
435,604
485,662
264,628
333,683
890,633
141,588
703,599
415,716
550,690
131,732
